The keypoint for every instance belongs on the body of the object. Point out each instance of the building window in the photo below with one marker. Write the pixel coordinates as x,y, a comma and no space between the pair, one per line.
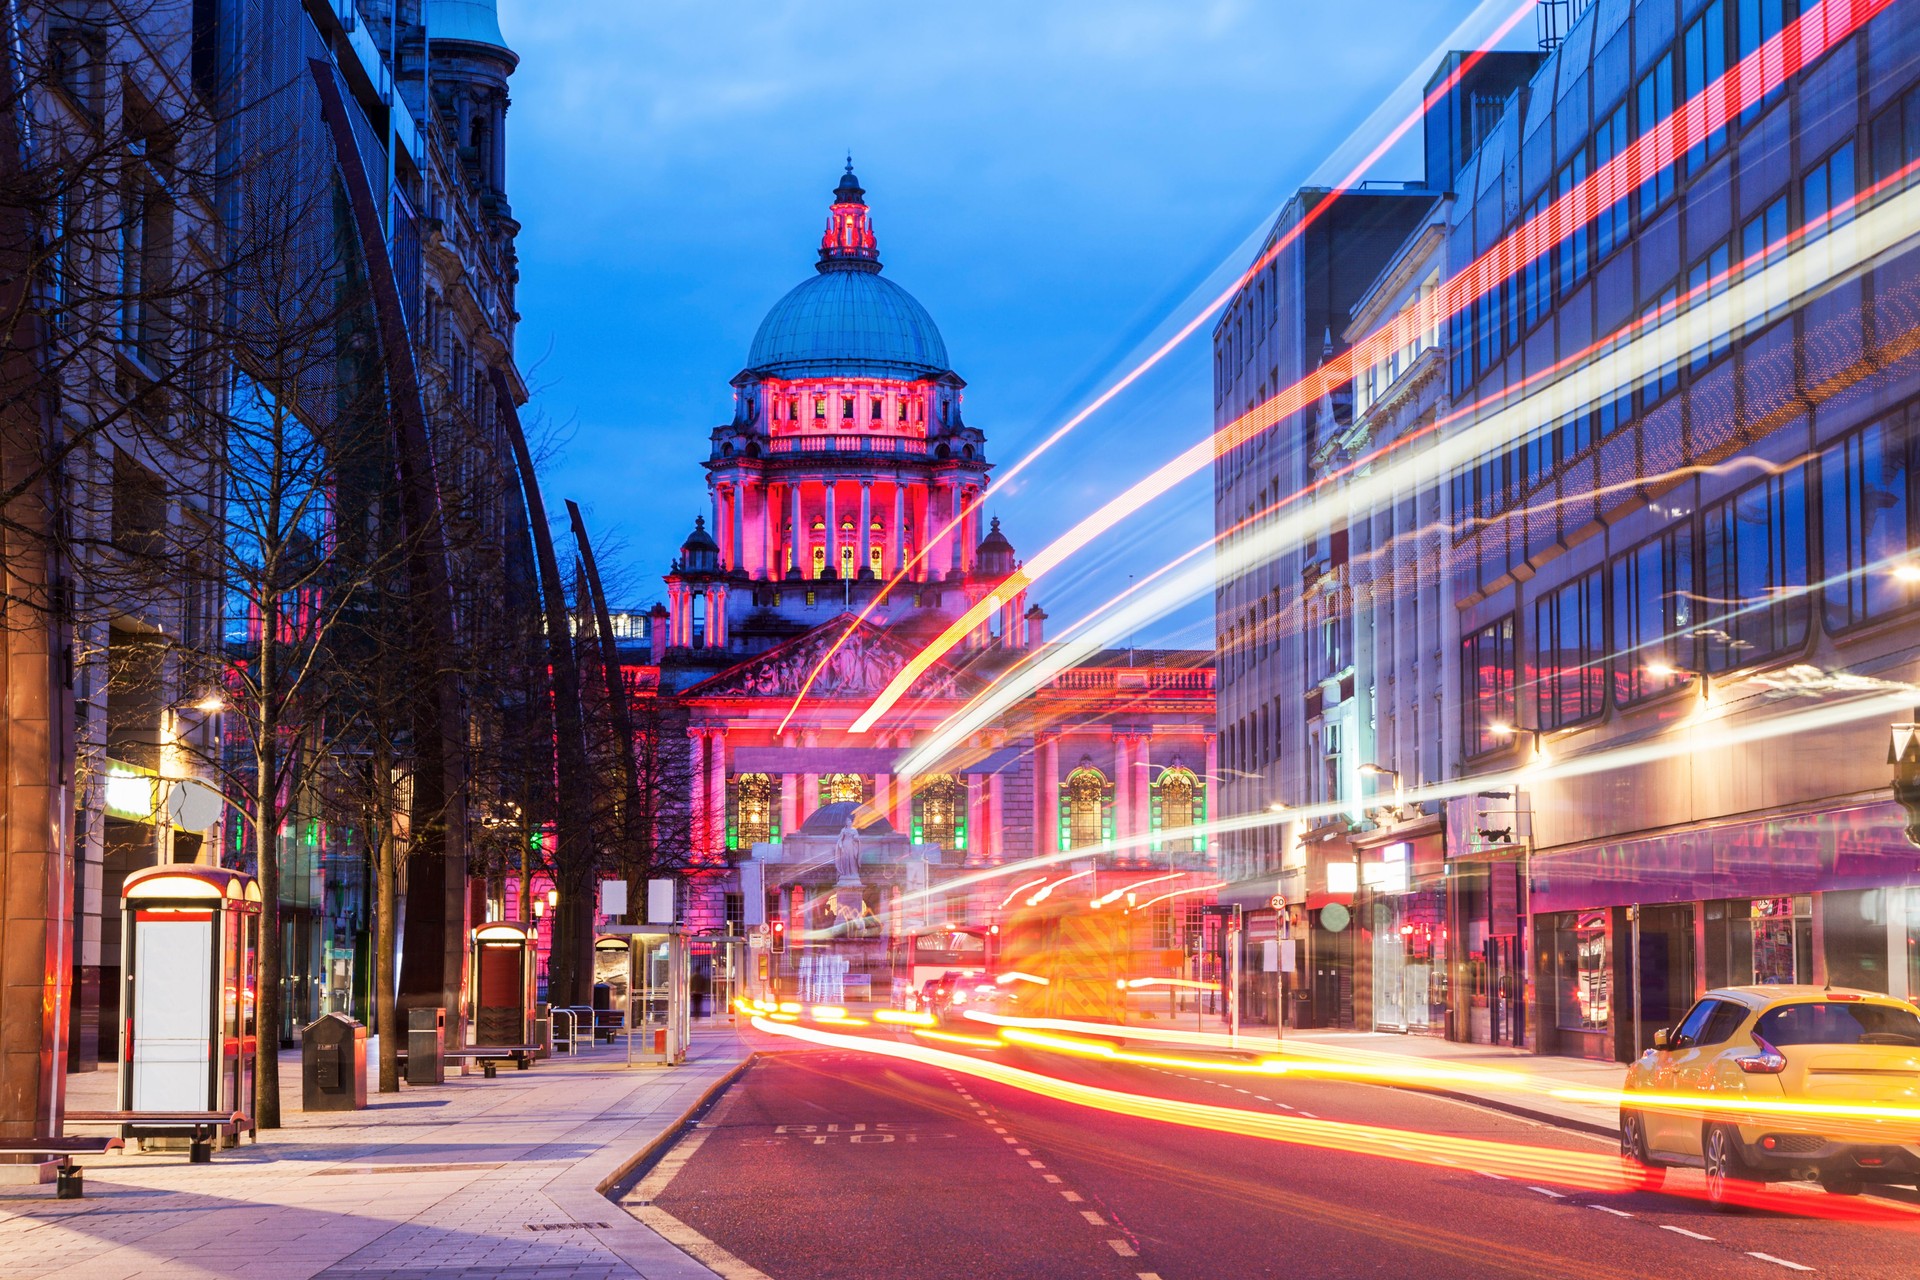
940,811
1178,801
755,811
1866,524
1705,49
1653,102
1085,820
1653,616
846,409
819,408
877,410
1582,973
1569,638
1487,673
1894,136
1707,279
843,788
1611,138
1754,560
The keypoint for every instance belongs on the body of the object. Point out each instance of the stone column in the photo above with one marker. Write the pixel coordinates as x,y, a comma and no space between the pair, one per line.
897,536
955,532
1144,771
902,816
1214,797
797,534
833,528
789,805
717,792
699,838
1123,790
866,527
809,783
737,522
977,820
1046,798
996,819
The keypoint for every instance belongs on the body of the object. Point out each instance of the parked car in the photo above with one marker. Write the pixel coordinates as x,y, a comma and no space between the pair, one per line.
1797,1043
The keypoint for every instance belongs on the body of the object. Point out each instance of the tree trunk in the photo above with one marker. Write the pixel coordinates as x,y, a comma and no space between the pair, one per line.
266,830
387,891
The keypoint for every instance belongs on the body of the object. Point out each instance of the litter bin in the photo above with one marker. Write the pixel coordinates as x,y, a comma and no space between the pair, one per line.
426,1042
333,1064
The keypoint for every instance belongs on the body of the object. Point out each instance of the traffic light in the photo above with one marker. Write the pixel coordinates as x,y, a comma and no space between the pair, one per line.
779,935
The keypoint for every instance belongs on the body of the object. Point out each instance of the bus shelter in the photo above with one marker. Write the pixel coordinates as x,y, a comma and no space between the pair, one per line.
659,992
189,985
502,957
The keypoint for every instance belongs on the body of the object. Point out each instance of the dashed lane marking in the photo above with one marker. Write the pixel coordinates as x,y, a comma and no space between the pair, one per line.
1495,1176
1778,1262
1073,1197
1545,1191
1122,1248
1050,1177
1682,1231
1093,1217
1037,1164
1618,1213
1021,1151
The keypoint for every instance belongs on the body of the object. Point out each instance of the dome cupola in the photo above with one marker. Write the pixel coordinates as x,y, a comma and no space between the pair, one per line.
700,553
848,320
995,557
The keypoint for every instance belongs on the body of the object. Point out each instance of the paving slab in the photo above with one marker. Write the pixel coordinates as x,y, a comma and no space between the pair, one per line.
475,1179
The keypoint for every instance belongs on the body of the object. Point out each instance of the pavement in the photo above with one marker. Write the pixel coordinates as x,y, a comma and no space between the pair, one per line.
501,1179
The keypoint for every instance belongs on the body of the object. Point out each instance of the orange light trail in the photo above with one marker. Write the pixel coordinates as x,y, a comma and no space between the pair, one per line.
1166,348
1583,1169
1047,892
1126,889
1610,348
1022,889
1804,40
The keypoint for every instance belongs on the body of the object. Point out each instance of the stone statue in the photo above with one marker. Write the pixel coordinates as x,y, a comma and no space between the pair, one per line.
846,854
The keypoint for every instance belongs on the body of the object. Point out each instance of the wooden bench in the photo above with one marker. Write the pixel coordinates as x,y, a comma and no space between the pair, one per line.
199,1124
68,1179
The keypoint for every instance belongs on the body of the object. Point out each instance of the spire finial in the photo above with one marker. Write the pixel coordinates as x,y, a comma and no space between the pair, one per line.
848,243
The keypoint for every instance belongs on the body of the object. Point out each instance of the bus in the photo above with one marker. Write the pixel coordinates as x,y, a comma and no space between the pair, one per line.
931,954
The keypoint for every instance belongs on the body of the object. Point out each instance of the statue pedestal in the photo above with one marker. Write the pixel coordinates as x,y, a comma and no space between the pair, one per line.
848,902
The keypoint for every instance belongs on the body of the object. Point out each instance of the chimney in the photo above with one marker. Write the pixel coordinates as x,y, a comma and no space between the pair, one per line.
1036,627
657,634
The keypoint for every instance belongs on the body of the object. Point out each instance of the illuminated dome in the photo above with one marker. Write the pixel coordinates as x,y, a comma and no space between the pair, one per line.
848,320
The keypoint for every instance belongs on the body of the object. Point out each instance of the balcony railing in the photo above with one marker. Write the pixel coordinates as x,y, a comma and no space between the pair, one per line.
849,444
1100,679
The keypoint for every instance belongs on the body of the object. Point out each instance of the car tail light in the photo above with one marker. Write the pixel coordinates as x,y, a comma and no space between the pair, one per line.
1768,1062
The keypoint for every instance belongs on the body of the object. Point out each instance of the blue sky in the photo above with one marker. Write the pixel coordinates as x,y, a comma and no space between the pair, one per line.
1053,179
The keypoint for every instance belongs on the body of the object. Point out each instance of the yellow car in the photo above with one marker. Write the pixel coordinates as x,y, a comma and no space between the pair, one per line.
1778,1043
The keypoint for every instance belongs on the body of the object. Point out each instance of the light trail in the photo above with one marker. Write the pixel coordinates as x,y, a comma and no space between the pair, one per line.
1106,898
1047,892
1180,893
1360,1066
1584,1169
1359,171
1022,889
1802,42
1794,277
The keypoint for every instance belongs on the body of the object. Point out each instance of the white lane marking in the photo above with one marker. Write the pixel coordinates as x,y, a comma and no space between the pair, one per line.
1124,1249
1545,1192
1036,1164
1261,1097
1021,1151
1682,1231
997,1129
1618,1213
1246,1091
1495,1176
1093,1217
1779,1262
1073,1197
1147,1275
1051,1177
1009,1140
1309,1115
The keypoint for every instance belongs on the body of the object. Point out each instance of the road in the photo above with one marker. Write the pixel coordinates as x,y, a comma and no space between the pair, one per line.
828,1163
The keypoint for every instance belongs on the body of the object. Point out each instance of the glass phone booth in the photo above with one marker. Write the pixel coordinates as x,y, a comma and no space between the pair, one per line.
188,993
659,988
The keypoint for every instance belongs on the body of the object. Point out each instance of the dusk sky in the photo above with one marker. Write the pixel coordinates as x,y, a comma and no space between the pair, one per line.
1053,181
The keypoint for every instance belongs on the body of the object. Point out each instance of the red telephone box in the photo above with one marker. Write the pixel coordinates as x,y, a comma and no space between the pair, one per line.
503,956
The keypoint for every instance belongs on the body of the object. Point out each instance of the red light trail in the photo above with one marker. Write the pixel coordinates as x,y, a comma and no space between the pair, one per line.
1799,44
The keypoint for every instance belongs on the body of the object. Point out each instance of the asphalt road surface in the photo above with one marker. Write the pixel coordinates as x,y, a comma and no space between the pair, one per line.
827,1163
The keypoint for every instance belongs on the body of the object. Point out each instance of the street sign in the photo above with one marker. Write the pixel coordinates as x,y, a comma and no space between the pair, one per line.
1277,902
763,929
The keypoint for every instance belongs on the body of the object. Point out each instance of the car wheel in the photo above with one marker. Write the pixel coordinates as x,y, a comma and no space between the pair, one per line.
1641,1173
1726,1167
1841,1186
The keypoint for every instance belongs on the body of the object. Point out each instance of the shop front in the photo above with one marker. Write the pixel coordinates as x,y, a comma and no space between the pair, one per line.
1405,902
1632,932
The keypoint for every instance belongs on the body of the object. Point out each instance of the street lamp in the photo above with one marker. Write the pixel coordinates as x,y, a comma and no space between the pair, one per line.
1508,729
1373,770
1903,753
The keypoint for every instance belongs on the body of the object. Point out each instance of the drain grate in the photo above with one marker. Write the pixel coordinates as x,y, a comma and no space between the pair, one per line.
566,1226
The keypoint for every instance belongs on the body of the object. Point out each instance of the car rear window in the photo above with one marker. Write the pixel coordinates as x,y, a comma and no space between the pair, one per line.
1835,1022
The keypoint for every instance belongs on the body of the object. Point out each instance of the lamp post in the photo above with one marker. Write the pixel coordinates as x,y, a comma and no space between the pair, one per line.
1381,771
1903,753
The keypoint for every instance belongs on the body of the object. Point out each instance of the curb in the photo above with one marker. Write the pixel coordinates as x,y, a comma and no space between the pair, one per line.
671,1134
1515,1109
